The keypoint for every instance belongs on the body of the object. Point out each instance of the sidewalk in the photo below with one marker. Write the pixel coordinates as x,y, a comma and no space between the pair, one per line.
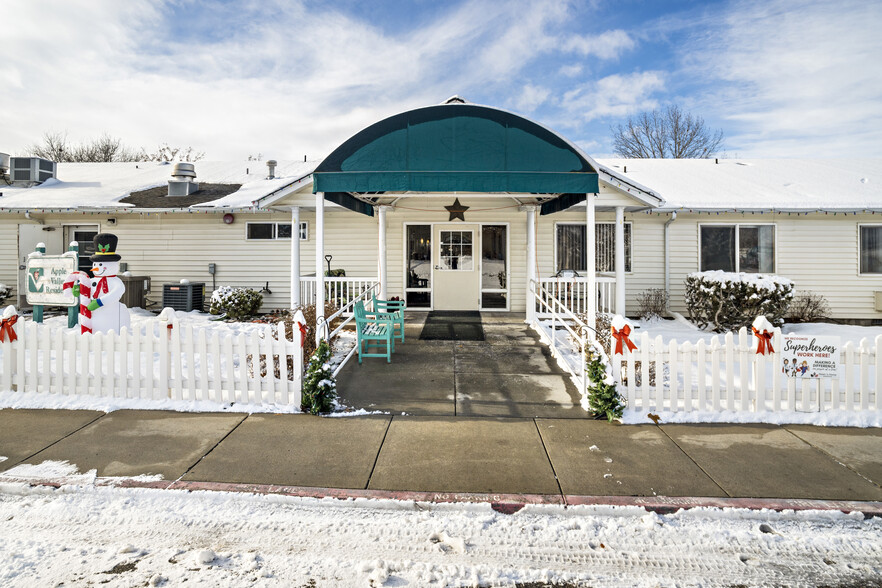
568,461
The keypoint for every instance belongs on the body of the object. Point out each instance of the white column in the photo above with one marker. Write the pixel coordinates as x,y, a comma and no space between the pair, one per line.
295,257
319,263
591,258
384,277
531,262
620,260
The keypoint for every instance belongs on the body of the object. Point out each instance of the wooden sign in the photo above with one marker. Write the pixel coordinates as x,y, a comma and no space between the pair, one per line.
46,274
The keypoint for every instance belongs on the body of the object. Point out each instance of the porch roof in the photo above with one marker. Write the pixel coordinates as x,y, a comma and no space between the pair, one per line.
454,147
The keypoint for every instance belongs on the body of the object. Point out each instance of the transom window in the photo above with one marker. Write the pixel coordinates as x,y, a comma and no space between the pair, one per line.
737,248
871,249
570,244
270,231
456,251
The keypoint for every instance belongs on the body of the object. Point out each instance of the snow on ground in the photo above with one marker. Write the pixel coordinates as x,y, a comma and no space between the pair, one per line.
82,534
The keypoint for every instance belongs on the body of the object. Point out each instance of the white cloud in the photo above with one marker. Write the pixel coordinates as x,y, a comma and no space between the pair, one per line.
607,45
612,96
571,70
794,78
285,78
531,97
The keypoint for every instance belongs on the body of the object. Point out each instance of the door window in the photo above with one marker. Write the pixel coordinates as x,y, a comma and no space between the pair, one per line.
456,251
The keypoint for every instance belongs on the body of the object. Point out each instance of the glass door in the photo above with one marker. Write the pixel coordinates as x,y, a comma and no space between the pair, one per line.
418,281
494,267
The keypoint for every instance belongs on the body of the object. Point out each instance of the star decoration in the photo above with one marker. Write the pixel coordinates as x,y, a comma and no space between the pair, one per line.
457,211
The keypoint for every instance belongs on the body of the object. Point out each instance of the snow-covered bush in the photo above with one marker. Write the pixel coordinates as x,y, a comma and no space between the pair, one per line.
319,387
236,303
5,291
730,301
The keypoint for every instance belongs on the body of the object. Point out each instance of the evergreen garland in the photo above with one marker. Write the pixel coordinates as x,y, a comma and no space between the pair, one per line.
604,400
319,387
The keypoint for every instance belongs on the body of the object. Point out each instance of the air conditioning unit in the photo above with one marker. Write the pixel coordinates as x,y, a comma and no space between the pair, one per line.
29,171
184,297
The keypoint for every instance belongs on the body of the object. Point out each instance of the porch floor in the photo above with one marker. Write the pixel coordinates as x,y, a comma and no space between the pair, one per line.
509,374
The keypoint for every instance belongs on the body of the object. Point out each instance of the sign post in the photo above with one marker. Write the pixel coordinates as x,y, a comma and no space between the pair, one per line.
73,311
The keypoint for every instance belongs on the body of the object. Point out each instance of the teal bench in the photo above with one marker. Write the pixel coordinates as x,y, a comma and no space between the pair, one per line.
394,308
375,331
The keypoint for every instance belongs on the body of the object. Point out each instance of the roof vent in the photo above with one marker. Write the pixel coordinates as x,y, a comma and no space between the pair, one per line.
271,164
182,181
455,100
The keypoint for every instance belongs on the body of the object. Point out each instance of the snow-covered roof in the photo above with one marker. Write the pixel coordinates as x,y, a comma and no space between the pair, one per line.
683,184
102,185
758,184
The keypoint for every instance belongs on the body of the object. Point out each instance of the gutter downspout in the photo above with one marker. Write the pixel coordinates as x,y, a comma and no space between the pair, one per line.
668,252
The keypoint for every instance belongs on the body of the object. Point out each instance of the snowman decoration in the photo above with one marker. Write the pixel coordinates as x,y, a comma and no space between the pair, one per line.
100,306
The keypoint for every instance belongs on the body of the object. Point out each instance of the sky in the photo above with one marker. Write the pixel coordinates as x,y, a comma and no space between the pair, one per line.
288,79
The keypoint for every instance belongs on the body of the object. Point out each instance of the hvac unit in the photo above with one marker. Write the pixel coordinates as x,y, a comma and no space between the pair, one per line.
28,171
184,297
137,287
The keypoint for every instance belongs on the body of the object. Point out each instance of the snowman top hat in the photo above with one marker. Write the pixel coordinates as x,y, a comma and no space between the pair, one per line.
105,248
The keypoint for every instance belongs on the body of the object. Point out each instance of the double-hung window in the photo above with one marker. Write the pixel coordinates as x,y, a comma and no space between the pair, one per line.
737,248
871,249
270,231
570,247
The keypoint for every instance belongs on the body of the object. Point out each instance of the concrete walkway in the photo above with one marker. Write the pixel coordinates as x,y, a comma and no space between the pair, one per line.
561,459
509,374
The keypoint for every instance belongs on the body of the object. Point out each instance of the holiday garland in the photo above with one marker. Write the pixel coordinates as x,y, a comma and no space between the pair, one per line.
319,386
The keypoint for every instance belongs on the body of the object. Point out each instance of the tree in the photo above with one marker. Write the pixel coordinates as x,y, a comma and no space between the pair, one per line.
667,133
56,147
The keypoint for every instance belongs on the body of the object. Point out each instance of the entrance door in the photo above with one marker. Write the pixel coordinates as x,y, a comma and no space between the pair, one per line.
456,277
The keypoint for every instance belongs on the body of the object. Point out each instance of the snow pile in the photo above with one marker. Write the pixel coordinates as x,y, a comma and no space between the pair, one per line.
144,537
734,279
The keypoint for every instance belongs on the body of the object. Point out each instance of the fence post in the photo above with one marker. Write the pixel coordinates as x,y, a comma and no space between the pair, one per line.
166,332
10,343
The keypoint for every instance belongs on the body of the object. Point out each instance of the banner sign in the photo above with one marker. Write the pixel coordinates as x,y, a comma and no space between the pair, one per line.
806,356
46,274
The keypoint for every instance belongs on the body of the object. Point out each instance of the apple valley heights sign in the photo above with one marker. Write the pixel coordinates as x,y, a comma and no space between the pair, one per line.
806,356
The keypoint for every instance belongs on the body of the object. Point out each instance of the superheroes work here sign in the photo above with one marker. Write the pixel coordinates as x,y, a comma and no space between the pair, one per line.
807,356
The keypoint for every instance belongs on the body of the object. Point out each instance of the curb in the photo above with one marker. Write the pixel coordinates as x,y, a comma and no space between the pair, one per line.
512,503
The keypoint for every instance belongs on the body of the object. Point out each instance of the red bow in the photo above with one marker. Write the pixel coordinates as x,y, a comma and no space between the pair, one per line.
622,336
302,328
6,329
765,342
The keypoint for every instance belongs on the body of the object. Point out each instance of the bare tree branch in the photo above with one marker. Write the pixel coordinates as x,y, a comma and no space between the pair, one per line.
668,133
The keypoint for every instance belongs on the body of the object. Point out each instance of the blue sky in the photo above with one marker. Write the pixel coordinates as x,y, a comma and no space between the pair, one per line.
288,78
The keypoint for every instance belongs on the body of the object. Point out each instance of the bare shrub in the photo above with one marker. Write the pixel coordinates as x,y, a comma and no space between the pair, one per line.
808,307
292,331
653,303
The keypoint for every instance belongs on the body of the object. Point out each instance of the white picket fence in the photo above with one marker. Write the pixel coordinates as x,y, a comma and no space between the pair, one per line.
159,360
727,374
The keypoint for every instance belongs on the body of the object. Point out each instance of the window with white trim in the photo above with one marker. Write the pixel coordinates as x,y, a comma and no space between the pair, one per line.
570,247
737,248
871,249
272,231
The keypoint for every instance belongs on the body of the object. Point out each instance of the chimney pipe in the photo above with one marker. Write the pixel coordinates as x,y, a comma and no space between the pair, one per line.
271,164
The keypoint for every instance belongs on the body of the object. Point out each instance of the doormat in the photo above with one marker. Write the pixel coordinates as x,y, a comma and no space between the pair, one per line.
445,325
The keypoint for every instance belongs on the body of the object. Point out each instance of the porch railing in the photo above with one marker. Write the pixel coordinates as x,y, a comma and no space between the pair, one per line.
567,336
341,292
572,293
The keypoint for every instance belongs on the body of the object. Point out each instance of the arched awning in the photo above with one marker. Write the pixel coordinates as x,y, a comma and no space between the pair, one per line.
453,147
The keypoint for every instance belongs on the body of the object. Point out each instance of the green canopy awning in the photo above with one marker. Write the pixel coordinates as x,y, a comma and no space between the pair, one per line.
453,148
